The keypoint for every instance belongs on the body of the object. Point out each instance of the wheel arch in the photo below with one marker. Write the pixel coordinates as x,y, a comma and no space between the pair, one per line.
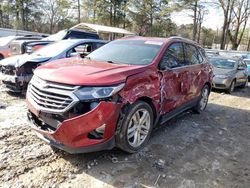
209,85
151,104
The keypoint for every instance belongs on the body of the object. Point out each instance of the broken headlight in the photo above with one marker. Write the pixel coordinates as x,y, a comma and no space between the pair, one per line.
90,93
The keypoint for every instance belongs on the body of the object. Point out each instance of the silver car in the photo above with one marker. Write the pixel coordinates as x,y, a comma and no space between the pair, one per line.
229,73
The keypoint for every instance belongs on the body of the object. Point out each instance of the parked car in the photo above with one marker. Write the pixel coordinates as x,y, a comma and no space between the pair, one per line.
5,43
18,47
79,31
118,93
247,61
17,71
229,73
212,53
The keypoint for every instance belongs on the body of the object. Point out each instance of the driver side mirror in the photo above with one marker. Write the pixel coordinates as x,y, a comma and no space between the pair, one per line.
73,54
240,68
163,67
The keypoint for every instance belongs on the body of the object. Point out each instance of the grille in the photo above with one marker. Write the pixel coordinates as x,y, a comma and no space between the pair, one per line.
220,85
51,97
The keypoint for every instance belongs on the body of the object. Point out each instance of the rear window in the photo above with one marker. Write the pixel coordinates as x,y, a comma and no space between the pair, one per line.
132,52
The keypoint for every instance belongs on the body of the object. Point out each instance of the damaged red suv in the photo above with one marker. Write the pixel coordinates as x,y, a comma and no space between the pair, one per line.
118,93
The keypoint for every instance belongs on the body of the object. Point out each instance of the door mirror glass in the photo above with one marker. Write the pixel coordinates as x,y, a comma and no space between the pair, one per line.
73,54
240,68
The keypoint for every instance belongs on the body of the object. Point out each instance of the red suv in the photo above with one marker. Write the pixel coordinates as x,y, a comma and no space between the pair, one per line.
118,93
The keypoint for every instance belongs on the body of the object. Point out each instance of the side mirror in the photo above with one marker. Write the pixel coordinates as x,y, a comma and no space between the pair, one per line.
241,68
73,54
162,67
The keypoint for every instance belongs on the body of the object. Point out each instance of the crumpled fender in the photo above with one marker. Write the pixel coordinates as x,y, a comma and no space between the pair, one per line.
144,84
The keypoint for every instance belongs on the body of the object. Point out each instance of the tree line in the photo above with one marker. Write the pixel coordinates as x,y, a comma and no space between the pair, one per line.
144,17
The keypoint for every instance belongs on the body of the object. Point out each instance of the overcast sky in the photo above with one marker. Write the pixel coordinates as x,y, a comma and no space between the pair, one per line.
213,20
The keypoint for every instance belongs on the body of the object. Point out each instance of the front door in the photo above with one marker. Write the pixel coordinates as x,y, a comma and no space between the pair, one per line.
172,69
241,75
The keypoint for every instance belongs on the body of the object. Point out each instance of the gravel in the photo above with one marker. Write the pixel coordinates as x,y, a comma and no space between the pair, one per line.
207,150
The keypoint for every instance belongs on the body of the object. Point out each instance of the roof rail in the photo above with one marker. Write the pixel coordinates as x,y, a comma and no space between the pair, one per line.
178,37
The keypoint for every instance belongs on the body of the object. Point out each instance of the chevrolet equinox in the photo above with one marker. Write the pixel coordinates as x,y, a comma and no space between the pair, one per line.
118,93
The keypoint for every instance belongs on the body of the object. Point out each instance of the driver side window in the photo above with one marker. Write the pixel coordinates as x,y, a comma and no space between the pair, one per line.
173,56
82,49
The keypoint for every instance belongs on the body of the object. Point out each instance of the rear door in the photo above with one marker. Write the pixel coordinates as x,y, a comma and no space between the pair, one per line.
172,68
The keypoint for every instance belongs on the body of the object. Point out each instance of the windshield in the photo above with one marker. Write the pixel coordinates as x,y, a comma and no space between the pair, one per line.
6,40
58,36
54,49
223,63
132,52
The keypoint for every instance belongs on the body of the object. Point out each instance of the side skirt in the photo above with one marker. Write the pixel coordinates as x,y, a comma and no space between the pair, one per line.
169,115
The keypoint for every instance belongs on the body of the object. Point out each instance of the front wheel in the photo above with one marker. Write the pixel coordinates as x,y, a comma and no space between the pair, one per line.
231,88
136,127
203,99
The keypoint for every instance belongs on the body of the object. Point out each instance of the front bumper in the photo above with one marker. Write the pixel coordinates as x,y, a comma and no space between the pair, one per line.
14,82
221,83
72,135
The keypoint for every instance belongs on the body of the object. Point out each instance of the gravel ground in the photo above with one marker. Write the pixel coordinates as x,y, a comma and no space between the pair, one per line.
207,150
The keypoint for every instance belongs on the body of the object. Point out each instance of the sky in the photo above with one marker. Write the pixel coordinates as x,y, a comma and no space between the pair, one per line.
213,20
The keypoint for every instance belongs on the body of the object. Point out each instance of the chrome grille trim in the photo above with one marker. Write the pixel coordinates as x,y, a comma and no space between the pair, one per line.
51,97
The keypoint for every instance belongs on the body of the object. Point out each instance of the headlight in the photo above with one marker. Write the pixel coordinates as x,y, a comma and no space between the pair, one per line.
223,76
90,93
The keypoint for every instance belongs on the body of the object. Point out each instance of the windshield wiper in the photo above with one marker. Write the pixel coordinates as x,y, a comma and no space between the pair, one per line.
109,61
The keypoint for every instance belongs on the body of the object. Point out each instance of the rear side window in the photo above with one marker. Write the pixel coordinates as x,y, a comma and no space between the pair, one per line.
192,55
173,56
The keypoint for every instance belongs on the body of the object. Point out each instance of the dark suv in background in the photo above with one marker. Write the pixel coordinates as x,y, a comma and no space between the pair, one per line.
118,93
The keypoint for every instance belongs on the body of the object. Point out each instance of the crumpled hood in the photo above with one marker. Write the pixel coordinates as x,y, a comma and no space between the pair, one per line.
77,71
19,60
217,71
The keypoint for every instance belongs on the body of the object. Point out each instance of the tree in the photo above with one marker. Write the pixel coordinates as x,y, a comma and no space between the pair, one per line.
240,15
145,12
227,7
56,11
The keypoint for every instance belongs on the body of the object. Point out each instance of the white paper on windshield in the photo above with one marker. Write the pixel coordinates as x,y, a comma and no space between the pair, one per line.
154,43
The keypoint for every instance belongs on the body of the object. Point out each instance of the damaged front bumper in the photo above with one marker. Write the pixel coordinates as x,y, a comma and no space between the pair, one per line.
73,135
15,83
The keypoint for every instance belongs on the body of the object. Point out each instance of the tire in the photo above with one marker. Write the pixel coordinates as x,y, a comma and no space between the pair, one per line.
203,99
130,130
1,57
231,88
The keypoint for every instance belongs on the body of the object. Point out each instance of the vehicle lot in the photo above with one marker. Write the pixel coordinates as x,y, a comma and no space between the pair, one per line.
207,150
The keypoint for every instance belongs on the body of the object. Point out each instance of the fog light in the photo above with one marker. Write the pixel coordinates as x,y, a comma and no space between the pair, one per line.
101,129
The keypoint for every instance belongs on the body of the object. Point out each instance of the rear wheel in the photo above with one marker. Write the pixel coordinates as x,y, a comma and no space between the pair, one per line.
136,127
203,99
231,88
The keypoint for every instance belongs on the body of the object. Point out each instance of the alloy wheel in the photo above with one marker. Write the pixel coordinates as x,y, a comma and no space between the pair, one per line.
138,128
204,98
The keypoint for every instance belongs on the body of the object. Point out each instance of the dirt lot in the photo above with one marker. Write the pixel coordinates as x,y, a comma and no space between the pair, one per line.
207,150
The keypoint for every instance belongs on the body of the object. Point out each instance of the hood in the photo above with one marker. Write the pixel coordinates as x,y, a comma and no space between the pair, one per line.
217,71
19,60
77,71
